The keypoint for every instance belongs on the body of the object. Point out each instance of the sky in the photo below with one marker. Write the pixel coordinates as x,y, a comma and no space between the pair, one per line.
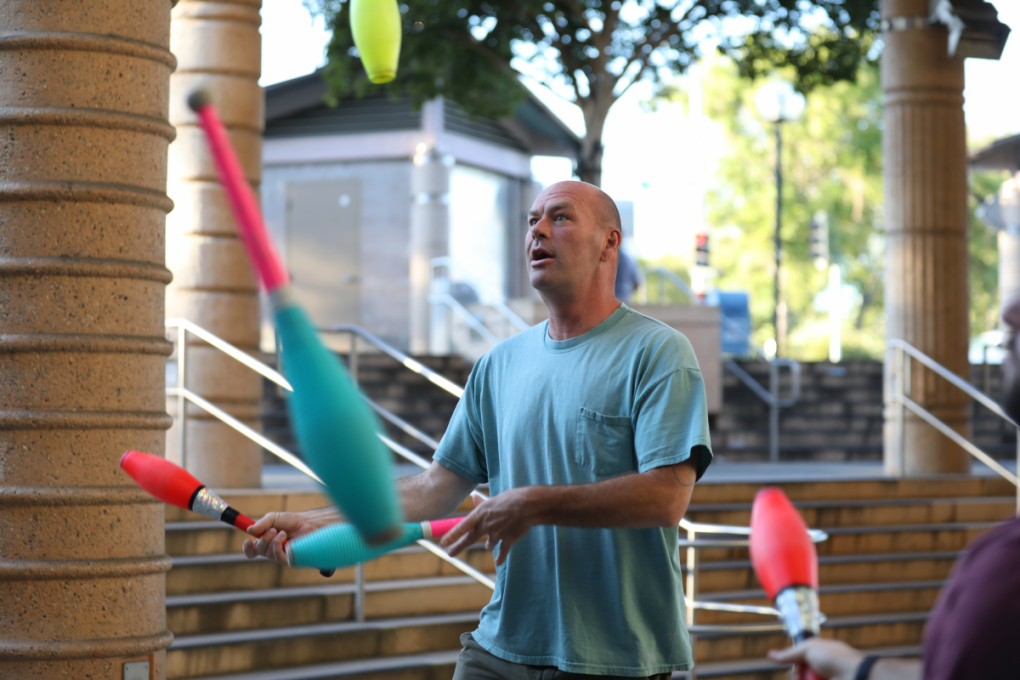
663,160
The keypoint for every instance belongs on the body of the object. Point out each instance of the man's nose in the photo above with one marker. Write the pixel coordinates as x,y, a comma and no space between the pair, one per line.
539,230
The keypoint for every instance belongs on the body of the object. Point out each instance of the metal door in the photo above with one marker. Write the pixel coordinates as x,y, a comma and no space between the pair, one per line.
324,248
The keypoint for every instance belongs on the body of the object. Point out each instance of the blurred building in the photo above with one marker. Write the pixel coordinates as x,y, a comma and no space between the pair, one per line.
363,197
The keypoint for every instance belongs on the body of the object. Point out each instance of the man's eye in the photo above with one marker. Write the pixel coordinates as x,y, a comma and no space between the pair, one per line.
560,218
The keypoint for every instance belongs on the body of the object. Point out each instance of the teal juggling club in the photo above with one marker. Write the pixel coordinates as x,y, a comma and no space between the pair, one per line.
337,431
339,545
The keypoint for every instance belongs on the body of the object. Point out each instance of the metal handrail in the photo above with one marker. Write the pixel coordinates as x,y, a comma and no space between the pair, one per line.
184,395
484,295
394,353
464,313
899,387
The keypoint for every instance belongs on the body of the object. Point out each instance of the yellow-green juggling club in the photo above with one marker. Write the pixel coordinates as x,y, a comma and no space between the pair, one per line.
376,28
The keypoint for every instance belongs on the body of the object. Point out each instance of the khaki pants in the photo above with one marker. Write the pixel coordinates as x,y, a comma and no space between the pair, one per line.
477,663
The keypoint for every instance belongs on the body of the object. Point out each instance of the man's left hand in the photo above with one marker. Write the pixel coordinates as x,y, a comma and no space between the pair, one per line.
505,518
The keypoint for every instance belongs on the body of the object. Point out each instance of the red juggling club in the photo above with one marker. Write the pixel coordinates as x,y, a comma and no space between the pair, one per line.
786,564
173,484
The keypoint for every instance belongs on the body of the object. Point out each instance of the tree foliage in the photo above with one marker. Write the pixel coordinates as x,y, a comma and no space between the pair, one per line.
832,161
473,51
984,257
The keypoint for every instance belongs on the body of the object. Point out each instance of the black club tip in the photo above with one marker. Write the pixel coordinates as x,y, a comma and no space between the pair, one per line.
198,99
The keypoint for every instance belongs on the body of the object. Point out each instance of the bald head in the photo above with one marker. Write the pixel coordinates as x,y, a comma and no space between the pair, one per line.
603,208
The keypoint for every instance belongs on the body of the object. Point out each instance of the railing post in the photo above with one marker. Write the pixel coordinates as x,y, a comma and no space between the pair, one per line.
905,391
182,405
774,413
352,362
692,597
359,592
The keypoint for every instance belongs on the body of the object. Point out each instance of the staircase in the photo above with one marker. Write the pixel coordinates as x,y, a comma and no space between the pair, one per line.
891,546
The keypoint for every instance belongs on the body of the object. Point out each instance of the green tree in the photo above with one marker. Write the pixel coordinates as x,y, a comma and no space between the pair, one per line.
832,161
473,51
984,257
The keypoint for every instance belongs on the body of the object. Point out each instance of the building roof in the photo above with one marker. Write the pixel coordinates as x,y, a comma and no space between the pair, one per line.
295,108
1002,154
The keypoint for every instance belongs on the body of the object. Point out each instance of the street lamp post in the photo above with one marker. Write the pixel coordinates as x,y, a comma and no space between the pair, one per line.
778,102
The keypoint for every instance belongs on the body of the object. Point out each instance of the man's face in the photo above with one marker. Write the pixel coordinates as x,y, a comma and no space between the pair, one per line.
565,242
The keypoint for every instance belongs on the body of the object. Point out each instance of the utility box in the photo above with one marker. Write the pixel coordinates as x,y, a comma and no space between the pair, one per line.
701,326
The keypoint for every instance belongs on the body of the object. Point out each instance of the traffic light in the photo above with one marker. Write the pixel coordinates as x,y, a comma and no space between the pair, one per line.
818,240
701,249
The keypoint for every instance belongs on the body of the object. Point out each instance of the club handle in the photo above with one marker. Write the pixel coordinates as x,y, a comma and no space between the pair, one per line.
242,522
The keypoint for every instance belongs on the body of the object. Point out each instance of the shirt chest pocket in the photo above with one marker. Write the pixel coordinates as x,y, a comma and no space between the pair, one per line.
604,444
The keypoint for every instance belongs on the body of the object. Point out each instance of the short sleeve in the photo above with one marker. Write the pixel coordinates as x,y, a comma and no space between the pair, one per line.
671,420
461,449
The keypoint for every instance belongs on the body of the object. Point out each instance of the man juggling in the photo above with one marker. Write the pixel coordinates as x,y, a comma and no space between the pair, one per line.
591,430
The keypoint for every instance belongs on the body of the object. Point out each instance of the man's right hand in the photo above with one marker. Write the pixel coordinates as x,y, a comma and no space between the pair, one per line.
276,528
828,658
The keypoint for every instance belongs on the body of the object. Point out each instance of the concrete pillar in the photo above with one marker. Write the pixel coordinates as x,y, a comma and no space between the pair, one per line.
84,130
430,238
218,47
926,290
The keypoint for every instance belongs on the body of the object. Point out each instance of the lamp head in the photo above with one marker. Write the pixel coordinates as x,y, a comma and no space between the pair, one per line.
777,101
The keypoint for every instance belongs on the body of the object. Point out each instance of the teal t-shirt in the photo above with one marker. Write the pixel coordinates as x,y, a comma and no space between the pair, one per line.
625,397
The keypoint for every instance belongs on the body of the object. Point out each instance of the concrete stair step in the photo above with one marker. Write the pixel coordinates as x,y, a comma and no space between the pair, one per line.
888,512
440,665
839,600
739,490
278,648
203,613
428,666
839,569
872,630
874,540
233,571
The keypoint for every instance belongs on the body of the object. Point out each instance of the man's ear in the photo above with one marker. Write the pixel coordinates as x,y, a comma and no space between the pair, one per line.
613,241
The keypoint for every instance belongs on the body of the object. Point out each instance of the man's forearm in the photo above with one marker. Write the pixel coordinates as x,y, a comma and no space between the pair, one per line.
657,498
432,494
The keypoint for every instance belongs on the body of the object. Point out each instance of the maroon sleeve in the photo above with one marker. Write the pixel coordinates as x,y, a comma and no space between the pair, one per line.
974,627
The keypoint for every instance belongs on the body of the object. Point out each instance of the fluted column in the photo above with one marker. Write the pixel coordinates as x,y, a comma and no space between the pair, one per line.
926,290
218,47
83,148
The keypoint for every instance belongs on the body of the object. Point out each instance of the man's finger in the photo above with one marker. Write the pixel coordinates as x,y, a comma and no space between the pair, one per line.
504,551
465,525
789,655
249,549
263,543
461,545
263,524
279,554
